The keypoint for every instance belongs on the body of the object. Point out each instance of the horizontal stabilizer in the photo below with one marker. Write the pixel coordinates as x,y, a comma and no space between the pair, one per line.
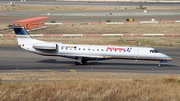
19,30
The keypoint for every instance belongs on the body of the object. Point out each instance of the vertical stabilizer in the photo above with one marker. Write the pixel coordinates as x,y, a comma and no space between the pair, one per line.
22,35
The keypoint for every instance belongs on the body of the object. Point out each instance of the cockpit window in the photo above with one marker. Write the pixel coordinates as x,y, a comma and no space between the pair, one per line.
151,51
154,51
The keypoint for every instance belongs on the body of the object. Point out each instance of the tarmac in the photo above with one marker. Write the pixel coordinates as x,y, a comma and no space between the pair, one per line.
92,15
14,58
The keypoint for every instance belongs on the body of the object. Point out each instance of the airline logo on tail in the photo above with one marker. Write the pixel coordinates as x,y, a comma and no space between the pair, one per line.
19,30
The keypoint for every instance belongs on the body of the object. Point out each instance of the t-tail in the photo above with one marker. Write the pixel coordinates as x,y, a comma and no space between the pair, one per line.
26,42
22,35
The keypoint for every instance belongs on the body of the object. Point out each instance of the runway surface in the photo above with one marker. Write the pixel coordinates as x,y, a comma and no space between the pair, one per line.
87,3
92,15
14,58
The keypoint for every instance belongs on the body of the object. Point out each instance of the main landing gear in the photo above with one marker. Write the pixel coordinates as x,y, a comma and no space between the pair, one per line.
80,61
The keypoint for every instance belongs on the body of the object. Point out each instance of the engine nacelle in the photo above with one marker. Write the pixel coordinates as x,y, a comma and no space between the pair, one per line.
46,47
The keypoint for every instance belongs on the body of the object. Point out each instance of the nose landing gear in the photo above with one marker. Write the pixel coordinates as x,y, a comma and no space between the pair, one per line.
163,61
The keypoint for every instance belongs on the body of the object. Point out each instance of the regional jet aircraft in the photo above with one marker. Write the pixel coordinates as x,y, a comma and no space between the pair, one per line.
84,53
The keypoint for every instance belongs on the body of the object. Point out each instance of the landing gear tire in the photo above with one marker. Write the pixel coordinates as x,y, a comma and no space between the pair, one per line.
84,62
77,63
160,65
80,63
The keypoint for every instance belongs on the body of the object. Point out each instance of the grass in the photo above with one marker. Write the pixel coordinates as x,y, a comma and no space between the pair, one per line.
13,7
106,29
121,41
8,41
112,29
81,28
90,87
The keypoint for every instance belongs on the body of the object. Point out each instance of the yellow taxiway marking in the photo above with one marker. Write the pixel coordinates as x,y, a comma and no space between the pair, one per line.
72,70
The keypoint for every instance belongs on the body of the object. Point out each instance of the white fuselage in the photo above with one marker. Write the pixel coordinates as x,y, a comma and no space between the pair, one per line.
84,53
98,52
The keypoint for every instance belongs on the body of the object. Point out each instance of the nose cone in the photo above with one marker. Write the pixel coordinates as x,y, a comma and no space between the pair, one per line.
166,57
169,58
